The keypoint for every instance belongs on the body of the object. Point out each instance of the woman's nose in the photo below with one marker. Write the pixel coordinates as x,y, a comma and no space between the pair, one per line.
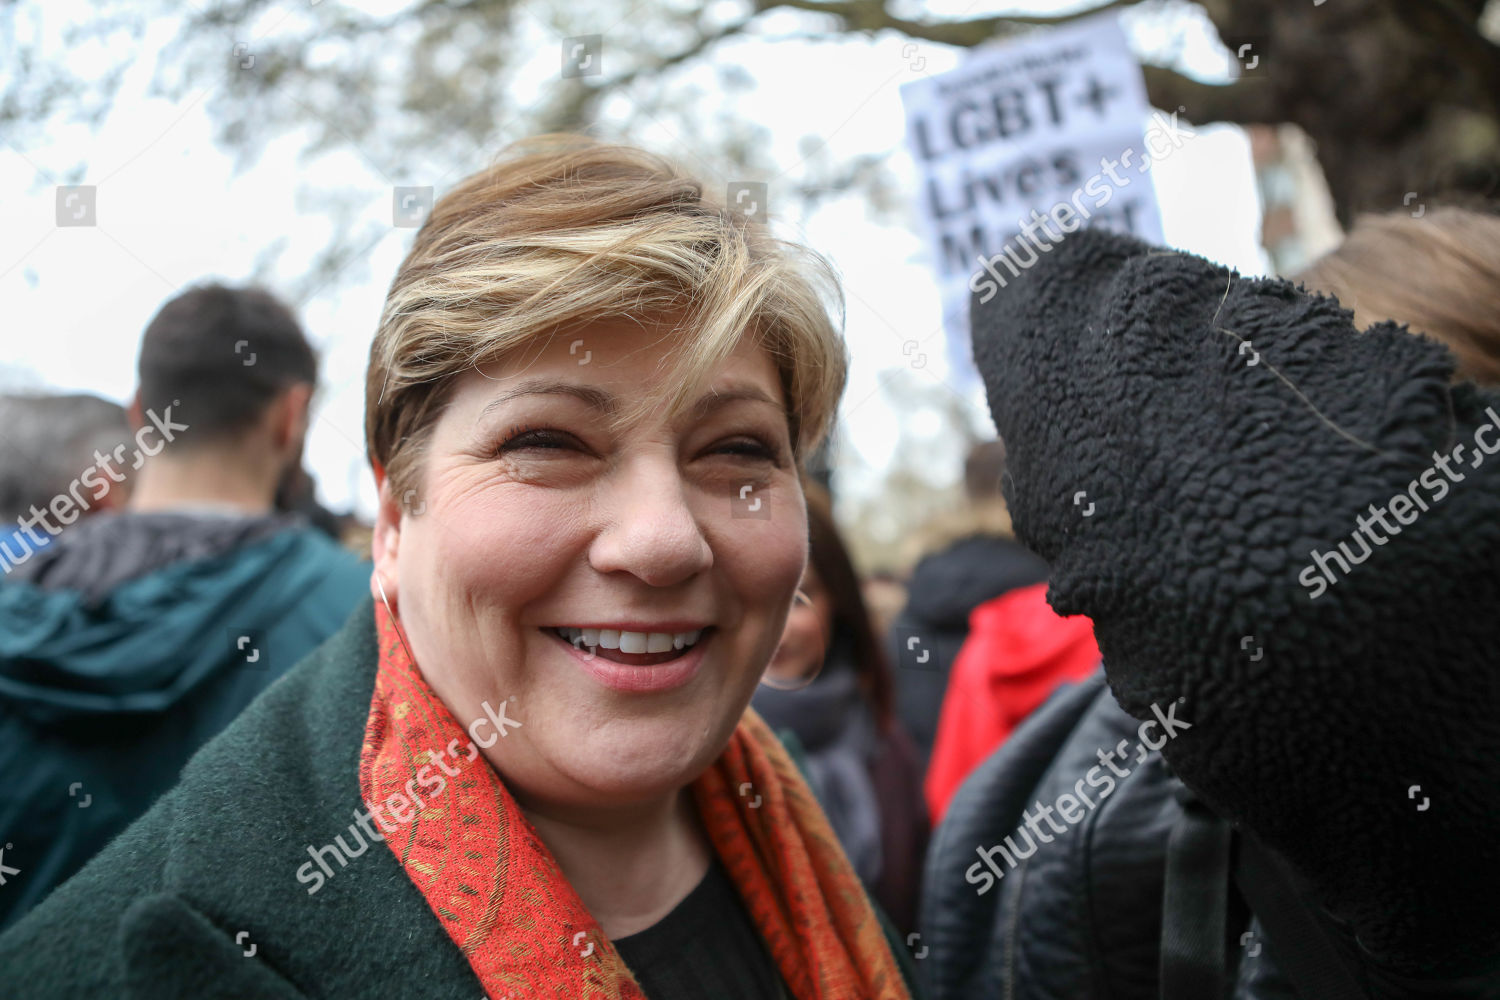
650,529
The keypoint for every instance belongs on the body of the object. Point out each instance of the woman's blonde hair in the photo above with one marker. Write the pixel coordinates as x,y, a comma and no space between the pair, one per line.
565,230
1439,274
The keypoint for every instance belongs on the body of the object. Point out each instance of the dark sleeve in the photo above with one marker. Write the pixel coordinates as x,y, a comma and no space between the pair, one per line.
110,931
69,945
1186,448
172,951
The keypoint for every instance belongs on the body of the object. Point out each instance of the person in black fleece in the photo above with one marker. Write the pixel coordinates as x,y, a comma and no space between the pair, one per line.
1184,444
980,562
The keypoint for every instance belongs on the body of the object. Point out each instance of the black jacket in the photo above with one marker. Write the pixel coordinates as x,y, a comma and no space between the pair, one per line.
1080,916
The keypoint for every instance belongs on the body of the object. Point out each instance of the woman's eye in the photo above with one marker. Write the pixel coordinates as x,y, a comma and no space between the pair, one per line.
543,439
749,448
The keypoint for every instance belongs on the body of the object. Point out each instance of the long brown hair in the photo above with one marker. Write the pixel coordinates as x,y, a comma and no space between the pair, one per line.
851,619
1438,273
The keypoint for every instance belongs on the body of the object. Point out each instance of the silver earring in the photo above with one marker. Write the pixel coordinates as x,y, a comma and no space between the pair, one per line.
395,621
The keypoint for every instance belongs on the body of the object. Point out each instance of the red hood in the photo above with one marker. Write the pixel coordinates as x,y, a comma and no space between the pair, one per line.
1018,634
1018,651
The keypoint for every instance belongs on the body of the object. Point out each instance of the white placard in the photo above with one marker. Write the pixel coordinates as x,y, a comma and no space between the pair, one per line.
1026,141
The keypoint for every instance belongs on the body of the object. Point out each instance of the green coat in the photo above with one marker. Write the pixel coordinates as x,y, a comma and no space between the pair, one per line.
200,897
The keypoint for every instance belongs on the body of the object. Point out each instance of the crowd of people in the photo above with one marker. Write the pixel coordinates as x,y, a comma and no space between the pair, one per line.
615,714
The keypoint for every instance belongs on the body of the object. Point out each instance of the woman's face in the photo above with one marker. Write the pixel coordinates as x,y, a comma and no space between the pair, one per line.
533,516
804,639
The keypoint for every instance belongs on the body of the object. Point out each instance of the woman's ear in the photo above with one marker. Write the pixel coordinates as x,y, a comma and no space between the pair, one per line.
386,540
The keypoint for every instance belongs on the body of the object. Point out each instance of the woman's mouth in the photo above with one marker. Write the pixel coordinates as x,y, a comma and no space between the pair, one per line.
665,660
637,649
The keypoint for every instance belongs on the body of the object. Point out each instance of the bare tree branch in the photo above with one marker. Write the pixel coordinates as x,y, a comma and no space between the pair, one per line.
1450,25
582,105
1246,102
871,16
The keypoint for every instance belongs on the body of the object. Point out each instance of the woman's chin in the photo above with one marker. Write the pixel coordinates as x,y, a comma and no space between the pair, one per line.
639,770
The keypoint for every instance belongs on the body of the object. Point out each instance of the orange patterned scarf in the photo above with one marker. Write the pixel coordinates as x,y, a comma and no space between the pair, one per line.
504,901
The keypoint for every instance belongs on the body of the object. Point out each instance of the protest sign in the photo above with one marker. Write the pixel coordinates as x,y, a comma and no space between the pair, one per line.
1026,141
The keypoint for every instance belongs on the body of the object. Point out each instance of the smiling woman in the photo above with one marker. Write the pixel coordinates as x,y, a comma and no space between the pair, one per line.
588,402
586,374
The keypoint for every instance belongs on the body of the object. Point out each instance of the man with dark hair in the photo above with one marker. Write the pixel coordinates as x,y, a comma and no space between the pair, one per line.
223,383
135,636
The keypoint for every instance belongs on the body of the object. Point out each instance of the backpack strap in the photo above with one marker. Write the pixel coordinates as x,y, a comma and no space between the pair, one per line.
1195,906
1296,937
1201,854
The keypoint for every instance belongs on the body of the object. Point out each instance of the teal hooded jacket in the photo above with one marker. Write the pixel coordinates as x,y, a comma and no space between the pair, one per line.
102,701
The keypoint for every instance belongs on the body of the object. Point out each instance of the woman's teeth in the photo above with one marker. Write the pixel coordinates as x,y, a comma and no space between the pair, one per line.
629,642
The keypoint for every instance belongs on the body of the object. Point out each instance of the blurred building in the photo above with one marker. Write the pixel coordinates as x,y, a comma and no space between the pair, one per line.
1297,219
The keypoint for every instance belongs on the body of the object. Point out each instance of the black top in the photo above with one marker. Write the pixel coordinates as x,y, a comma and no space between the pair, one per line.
706,947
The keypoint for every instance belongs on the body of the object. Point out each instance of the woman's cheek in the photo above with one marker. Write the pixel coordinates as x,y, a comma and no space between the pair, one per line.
782,564
507,547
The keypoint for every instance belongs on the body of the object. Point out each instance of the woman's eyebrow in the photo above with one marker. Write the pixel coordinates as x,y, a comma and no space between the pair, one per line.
594,397
713,400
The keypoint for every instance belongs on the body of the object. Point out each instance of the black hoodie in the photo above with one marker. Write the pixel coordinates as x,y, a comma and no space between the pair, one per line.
944,589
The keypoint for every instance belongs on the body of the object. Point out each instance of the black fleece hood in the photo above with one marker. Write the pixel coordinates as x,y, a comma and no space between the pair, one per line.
1207,462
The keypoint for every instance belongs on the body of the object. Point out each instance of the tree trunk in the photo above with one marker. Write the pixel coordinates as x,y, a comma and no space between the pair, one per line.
1400,96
